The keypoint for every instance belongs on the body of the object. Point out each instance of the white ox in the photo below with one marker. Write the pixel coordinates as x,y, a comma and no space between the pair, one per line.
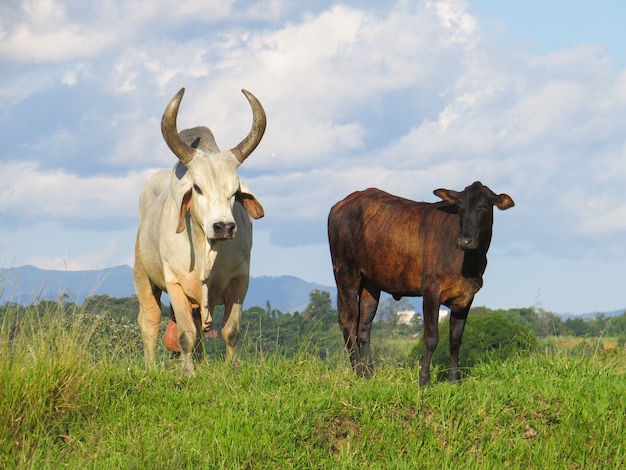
186,243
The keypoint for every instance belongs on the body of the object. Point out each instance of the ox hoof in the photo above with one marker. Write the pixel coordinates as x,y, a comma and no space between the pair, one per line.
364,370
186,365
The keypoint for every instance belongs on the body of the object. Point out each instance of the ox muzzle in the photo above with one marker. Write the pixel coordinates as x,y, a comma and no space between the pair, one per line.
224,230
466,243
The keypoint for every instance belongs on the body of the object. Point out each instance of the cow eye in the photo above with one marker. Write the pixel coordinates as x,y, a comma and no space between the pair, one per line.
197,189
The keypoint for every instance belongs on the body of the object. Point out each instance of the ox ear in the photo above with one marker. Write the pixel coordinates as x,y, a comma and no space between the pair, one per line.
503,202
184,208
448,195
249,201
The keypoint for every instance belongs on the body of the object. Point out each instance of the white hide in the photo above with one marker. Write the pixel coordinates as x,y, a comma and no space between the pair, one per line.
179,251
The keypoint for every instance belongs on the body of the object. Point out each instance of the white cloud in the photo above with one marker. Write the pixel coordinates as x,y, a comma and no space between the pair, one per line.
454,17
137,67
41,33
35,194
98,259
72,76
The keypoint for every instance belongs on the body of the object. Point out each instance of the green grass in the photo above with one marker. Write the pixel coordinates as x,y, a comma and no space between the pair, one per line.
65,405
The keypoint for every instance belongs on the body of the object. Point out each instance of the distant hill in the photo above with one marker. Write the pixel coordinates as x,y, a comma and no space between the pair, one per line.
28,284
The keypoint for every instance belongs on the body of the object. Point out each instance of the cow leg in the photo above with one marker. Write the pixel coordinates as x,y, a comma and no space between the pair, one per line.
348,313
232,316
368,303
431,335
457,324
198,348
230,330
149,318
206,313
187,333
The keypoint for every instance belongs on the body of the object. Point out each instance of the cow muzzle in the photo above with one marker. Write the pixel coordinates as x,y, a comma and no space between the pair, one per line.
467,243
224,231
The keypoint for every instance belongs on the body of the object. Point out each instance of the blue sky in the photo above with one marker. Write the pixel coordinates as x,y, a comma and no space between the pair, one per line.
529,98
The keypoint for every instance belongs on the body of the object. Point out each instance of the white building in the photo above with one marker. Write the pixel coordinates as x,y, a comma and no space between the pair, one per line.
405,317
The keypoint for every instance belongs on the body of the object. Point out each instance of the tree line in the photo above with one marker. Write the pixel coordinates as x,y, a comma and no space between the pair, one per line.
264,329
545,324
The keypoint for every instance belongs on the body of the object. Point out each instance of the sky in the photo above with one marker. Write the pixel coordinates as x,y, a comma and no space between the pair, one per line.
408,96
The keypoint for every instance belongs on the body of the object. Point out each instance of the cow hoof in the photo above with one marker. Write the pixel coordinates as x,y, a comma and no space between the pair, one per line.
364,371
187,367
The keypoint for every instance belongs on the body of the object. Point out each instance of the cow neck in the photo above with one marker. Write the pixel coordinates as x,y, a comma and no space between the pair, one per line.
200,248
474,264
210,254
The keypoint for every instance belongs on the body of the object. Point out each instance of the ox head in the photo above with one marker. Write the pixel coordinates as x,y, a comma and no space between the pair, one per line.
475,207
205,183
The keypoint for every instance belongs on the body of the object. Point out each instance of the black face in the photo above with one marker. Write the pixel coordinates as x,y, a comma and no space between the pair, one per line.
475,206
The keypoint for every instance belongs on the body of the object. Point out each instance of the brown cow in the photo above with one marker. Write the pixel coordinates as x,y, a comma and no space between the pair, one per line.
380,242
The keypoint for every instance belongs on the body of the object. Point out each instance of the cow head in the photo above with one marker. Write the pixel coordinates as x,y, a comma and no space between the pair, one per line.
475,207
205,183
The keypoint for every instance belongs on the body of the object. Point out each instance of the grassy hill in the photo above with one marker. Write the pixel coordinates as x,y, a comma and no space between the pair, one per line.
70,401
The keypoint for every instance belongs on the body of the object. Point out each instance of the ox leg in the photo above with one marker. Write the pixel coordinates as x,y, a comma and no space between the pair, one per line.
205,311
230,330
187,334
232,317
431,335
457,324
149,318
348,313
198,347
368,303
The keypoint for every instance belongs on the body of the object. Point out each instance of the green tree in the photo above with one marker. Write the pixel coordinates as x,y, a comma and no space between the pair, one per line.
617,326
321,330
486,338
314,330
577,327
320,308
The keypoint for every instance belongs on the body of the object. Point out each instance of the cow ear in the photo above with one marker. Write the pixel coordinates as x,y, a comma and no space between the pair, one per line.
251,204
249,201
448,195
503,202
184,208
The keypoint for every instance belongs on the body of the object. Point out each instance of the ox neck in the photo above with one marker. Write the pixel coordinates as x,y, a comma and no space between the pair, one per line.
203,251
474,263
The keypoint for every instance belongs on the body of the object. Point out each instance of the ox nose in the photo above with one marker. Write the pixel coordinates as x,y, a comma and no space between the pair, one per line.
467,243
223,230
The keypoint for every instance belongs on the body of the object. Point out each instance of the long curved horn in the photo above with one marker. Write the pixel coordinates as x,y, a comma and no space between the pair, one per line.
247,145
184,152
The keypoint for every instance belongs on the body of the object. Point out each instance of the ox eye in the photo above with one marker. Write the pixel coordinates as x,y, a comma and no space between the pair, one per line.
197,189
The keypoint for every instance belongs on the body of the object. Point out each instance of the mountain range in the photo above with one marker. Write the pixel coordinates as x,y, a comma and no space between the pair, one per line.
28,284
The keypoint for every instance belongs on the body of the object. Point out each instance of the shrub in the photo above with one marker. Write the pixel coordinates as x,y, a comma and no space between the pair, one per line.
486,338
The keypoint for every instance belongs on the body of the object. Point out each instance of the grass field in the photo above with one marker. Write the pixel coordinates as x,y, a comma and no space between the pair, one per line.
61,408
